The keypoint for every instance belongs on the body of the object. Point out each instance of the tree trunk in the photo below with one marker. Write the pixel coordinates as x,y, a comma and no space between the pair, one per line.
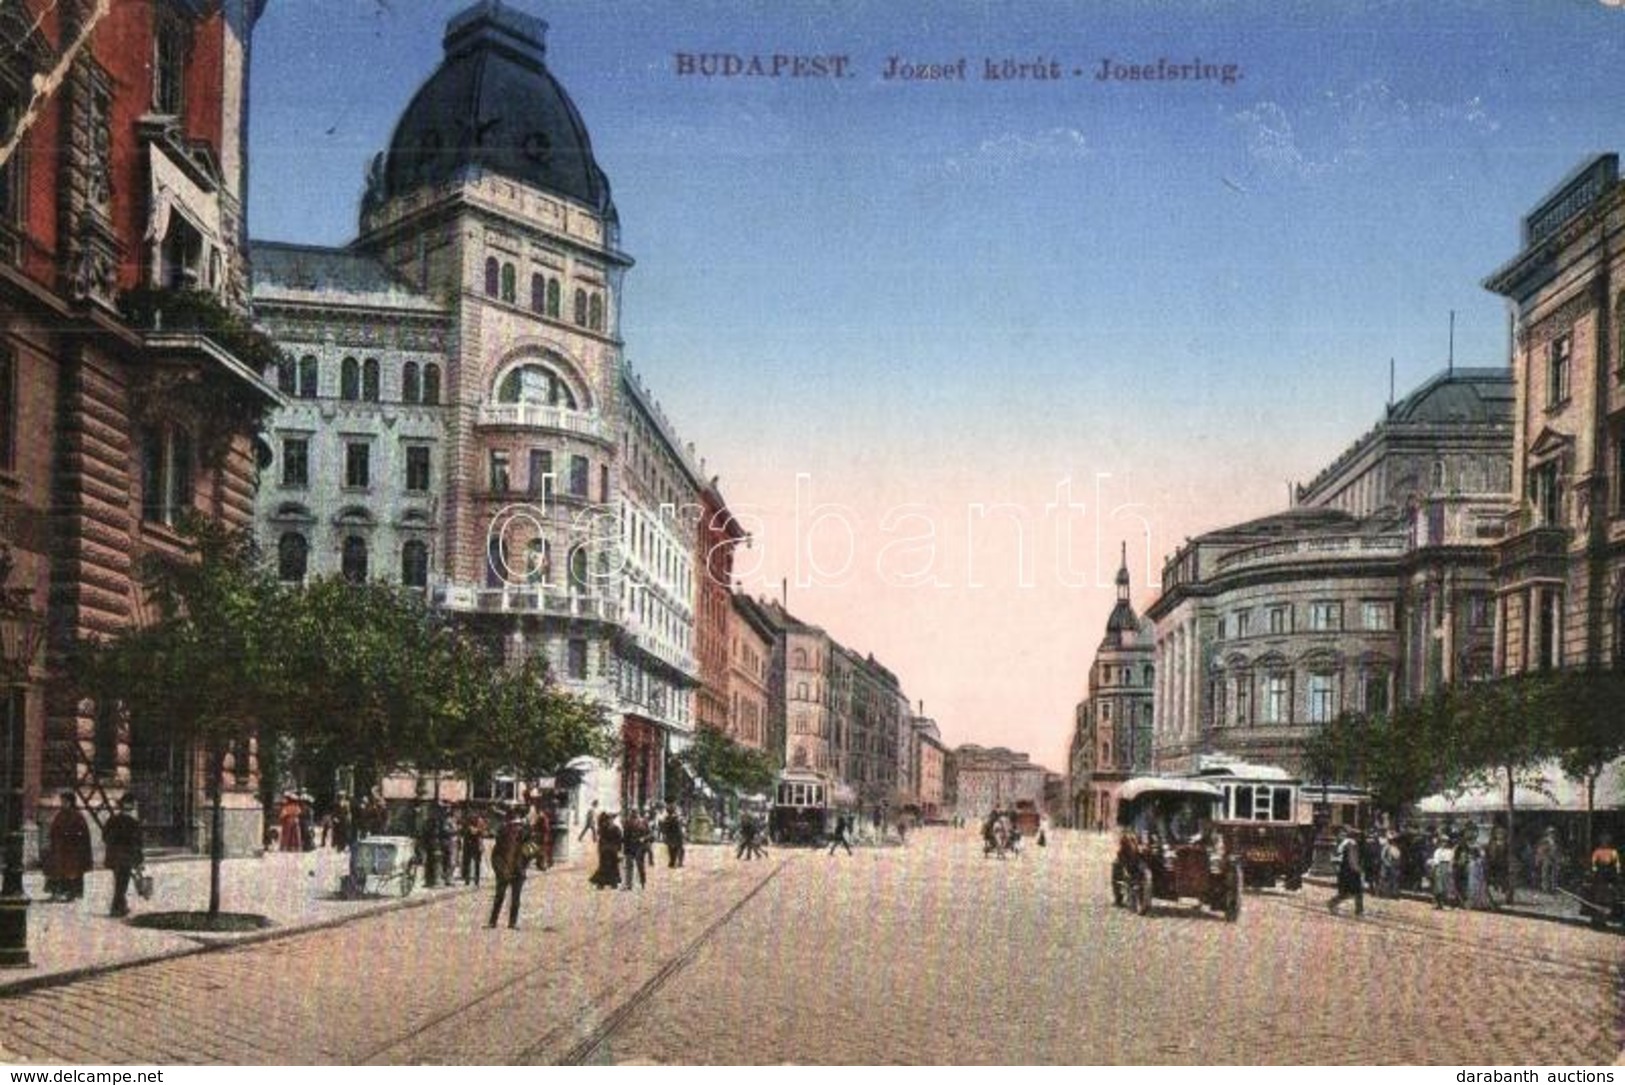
217,822
1591,807
1511,849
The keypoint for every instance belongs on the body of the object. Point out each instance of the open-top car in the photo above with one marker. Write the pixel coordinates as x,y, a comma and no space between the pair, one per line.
1169,849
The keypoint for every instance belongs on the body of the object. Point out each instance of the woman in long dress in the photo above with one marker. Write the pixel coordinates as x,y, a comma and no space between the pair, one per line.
1478,887
608,874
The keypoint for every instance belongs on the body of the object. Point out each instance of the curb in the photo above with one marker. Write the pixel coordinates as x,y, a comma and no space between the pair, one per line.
214,944
1513,911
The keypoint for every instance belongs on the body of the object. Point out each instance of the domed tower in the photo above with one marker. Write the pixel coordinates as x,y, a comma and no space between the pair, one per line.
1115,721
490,199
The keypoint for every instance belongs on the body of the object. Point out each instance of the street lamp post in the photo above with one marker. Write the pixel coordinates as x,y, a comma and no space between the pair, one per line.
21,630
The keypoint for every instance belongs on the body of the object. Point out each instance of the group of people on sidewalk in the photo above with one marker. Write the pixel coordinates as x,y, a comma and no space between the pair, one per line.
68,858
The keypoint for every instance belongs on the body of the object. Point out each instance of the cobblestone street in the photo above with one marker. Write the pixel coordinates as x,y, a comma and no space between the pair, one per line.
929,954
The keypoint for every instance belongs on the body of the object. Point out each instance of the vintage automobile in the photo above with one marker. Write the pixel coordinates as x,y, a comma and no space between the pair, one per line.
1169,848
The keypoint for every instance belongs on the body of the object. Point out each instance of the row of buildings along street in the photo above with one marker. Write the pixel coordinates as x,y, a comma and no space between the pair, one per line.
452,411
1477,530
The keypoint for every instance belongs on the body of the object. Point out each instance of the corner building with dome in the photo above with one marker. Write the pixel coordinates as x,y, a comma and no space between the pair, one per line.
460,416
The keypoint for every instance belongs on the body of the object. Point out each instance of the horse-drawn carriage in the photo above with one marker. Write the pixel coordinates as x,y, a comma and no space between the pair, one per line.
1169,848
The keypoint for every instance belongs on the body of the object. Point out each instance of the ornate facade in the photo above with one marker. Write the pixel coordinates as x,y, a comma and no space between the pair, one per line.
122,173
1375,587
1560,571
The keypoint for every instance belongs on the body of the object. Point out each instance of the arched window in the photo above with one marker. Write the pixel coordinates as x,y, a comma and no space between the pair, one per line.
411,383
581,308
369,380
415,564
308,370
538,292
538,562
292,557
287,378
535,383
595,317
350,380
509,291
354,563
431,384
800,657
553,298
578,569
491,272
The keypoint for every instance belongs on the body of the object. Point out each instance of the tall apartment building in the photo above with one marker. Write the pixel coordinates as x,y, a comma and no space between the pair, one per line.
122,178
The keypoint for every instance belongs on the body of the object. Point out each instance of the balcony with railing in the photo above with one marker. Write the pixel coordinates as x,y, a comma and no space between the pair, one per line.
1531,548
525,599
543,416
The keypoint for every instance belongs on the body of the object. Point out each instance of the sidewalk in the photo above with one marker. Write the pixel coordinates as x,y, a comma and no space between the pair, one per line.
296,891
1531,903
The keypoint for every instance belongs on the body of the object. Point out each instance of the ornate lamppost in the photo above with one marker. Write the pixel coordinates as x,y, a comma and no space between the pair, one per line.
21,630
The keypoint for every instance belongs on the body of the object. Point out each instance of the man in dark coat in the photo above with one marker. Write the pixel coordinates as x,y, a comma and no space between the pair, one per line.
671,831
122,847
509,858
70,851
473,843
635,838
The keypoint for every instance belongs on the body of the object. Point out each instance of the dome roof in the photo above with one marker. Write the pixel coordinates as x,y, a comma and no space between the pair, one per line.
493,107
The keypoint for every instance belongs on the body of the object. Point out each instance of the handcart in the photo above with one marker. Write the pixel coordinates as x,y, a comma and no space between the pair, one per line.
378,864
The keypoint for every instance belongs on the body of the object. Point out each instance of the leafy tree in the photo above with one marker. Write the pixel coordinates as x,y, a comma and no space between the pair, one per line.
526,723
1589,730
714,757
1503,730
209,666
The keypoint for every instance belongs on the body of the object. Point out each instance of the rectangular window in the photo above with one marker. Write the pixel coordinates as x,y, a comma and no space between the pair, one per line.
1280,620
1546,495
417,469
1243,699
603,484
1277,698
579,470
576,662
1244,621
13,728
1322,698
296,462
166,474
357,465
540,481
1376,693
1325,617
169,66
8,410
1557,370
10,170
1377,615
500,480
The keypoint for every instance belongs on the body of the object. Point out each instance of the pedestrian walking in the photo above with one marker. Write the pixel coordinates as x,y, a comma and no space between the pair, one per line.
70,851
541,832
748,830
343,825
472,831
122,852
1388,866
1478,885
843,829
509,858
307,823
1441,872
1350,882
288,816
671,833
635,840
591,826
1548,856
608,836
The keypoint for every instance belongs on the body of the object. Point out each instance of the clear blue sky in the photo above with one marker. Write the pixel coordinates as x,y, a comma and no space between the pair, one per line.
944,294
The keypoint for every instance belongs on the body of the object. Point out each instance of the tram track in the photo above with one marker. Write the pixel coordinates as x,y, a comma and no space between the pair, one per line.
427,1040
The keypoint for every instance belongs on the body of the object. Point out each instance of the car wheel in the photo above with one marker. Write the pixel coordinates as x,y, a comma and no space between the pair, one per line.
1140,892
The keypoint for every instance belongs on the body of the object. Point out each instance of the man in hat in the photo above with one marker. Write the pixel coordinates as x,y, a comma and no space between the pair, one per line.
70,851
671,831
508,863
122,846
